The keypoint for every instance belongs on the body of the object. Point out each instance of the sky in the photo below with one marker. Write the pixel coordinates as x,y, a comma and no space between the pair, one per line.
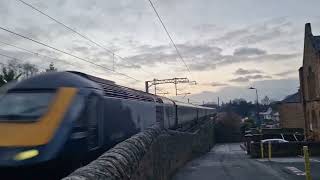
227,45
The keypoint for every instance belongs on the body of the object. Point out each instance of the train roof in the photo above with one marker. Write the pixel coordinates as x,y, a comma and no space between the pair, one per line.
191,105
54,80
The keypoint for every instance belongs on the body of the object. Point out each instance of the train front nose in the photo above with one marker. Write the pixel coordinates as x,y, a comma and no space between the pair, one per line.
13,156
28,124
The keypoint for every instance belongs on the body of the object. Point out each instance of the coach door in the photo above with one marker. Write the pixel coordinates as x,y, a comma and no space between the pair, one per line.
93,118
160,114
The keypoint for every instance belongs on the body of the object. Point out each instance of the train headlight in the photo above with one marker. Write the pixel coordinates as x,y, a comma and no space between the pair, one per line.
26,155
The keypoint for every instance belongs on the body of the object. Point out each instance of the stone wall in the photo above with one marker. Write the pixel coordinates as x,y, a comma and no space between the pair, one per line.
153,154
291,115
313,116
309,75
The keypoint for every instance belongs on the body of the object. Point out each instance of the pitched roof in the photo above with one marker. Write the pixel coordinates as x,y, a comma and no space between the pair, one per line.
293,98
316,42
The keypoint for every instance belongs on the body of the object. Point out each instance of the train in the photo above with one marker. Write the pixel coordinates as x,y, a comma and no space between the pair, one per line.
70,115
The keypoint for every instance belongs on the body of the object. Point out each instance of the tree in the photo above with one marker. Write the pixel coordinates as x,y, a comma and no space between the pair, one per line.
8,75
227,127
266,101
240,106
51,68
14,71
246,125
28,69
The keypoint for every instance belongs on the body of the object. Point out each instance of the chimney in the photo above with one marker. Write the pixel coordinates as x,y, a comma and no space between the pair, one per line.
308,30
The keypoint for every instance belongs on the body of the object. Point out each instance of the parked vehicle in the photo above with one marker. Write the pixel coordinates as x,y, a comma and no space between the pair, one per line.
274,141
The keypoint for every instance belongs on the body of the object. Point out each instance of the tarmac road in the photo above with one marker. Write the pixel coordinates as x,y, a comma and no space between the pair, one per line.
230,162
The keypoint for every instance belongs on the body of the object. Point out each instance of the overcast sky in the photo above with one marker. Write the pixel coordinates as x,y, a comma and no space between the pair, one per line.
228,45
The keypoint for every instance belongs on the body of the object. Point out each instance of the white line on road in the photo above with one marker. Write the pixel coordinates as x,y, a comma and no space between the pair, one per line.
295,171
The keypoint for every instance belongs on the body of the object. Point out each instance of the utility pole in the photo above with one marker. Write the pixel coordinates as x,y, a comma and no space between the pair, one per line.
155,86
147,86
175,86
257,111
174,81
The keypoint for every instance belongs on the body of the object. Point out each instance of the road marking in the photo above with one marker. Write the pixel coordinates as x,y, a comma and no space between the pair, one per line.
295,171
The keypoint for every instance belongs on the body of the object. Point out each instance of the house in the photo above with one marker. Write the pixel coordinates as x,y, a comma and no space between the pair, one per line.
310,83
270,118
291,112
267,115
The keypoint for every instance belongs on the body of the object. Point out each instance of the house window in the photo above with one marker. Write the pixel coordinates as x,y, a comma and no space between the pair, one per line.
310,120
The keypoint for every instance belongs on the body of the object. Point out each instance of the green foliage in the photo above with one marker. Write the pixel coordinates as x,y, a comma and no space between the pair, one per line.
227,127
247,124
239,106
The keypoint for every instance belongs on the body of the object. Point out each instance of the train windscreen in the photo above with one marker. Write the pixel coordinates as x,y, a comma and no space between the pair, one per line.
24,106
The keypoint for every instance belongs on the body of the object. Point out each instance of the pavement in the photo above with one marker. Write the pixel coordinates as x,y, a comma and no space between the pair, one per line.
230,162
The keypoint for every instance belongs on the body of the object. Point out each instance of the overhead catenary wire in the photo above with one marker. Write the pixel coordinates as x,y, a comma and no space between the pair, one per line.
79,34
67,53
11,57
168,34
48,57
36,54
4,64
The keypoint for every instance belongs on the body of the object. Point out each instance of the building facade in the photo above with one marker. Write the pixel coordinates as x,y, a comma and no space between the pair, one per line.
291,112
309,82
269,118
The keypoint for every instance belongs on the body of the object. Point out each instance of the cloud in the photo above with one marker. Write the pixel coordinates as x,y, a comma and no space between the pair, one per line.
240,79
241,71
226,60
205,47
259,76
250,77
285,73
198,57
245,51
275,89
215,84
258,33
202,57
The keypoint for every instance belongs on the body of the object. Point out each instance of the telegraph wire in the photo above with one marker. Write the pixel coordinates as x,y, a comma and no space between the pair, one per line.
67,53
168,34
48,57
36,54
79,34
13,58
3,64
